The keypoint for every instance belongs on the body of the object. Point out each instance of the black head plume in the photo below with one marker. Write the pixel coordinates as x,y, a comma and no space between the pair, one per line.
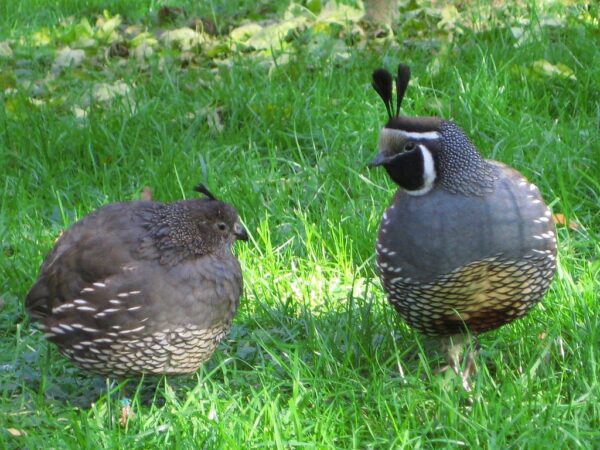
382,83
204,190
401,85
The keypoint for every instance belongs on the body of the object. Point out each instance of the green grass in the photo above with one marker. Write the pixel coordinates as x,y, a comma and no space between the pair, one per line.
316,357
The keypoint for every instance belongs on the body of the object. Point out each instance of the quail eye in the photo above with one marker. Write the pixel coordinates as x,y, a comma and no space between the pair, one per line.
221,226
409,146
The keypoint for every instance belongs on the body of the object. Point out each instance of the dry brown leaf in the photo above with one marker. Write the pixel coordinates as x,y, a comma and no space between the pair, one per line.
68,57
146,194
118,49
126,415
170,14
560,219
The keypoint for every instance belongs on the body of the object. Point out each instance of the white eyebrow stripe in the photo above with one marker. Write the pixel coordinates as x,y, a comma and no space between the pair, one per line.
425,135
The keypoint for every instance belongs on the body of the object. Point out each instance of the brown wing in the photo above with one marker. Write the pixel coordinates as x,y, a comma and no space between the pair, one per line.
91,250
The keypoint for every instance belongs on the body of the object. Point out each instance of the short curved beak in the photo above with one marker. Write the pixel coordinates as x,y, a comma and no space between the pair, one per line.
379,160
240,232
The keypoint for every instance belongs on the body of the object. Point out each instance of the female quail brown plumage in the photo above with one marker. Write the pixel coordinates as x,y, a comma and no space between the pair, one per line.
467,243
142,287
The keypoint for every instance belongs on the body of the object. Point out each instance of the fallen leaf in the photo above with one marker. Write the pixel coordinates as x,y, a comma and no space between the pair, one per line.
118,49
42,37
5,50
143,38
107,27
544,67
517,32
81,35
146,194
126,415
334,12
131,31
36,101
68,57
170,14
213,118
560,219
205,25
79,113
85,42
15,432
143,51
1,303
244,32
186,58
272,36
450,19
297,10
104,92
184,38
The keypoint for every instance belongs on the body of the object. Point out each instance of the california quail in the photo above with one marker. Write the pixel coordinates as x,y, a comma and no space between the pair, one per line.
142,287
467,243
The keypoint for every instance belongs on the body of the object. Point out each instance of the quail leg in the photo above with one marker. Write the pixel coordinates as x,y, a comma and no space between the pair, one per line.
455,348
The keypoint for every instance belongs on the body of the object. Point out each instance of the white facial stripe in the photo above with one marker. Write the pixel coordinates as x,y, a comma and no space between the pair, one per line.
428,166
428,172
425,135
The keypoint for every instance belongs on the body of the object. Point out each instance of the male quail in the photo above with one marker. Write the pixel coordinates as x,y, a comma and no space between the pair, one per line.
142,287
467,244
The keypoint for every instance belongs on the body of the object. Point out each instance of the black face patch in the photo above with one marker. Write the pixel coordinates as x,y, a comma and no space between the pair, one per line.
406,169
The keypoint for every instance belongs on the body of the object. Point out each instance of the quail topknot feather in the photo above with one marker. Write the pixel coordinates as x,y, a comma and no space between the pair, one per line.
142,287
467,243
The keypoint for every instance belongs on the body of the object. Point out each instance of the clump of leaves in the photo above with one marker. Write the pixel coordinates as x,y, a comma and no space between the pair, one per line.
109,49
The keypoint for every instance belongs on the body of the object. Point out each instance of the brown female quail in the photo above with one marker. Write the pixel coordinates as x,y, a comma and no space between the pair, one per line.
467,244
142,287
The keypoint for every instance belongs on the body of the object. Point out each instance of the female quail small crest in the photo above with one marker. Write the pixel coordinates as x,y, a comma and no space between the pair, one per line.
467,243
142,287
